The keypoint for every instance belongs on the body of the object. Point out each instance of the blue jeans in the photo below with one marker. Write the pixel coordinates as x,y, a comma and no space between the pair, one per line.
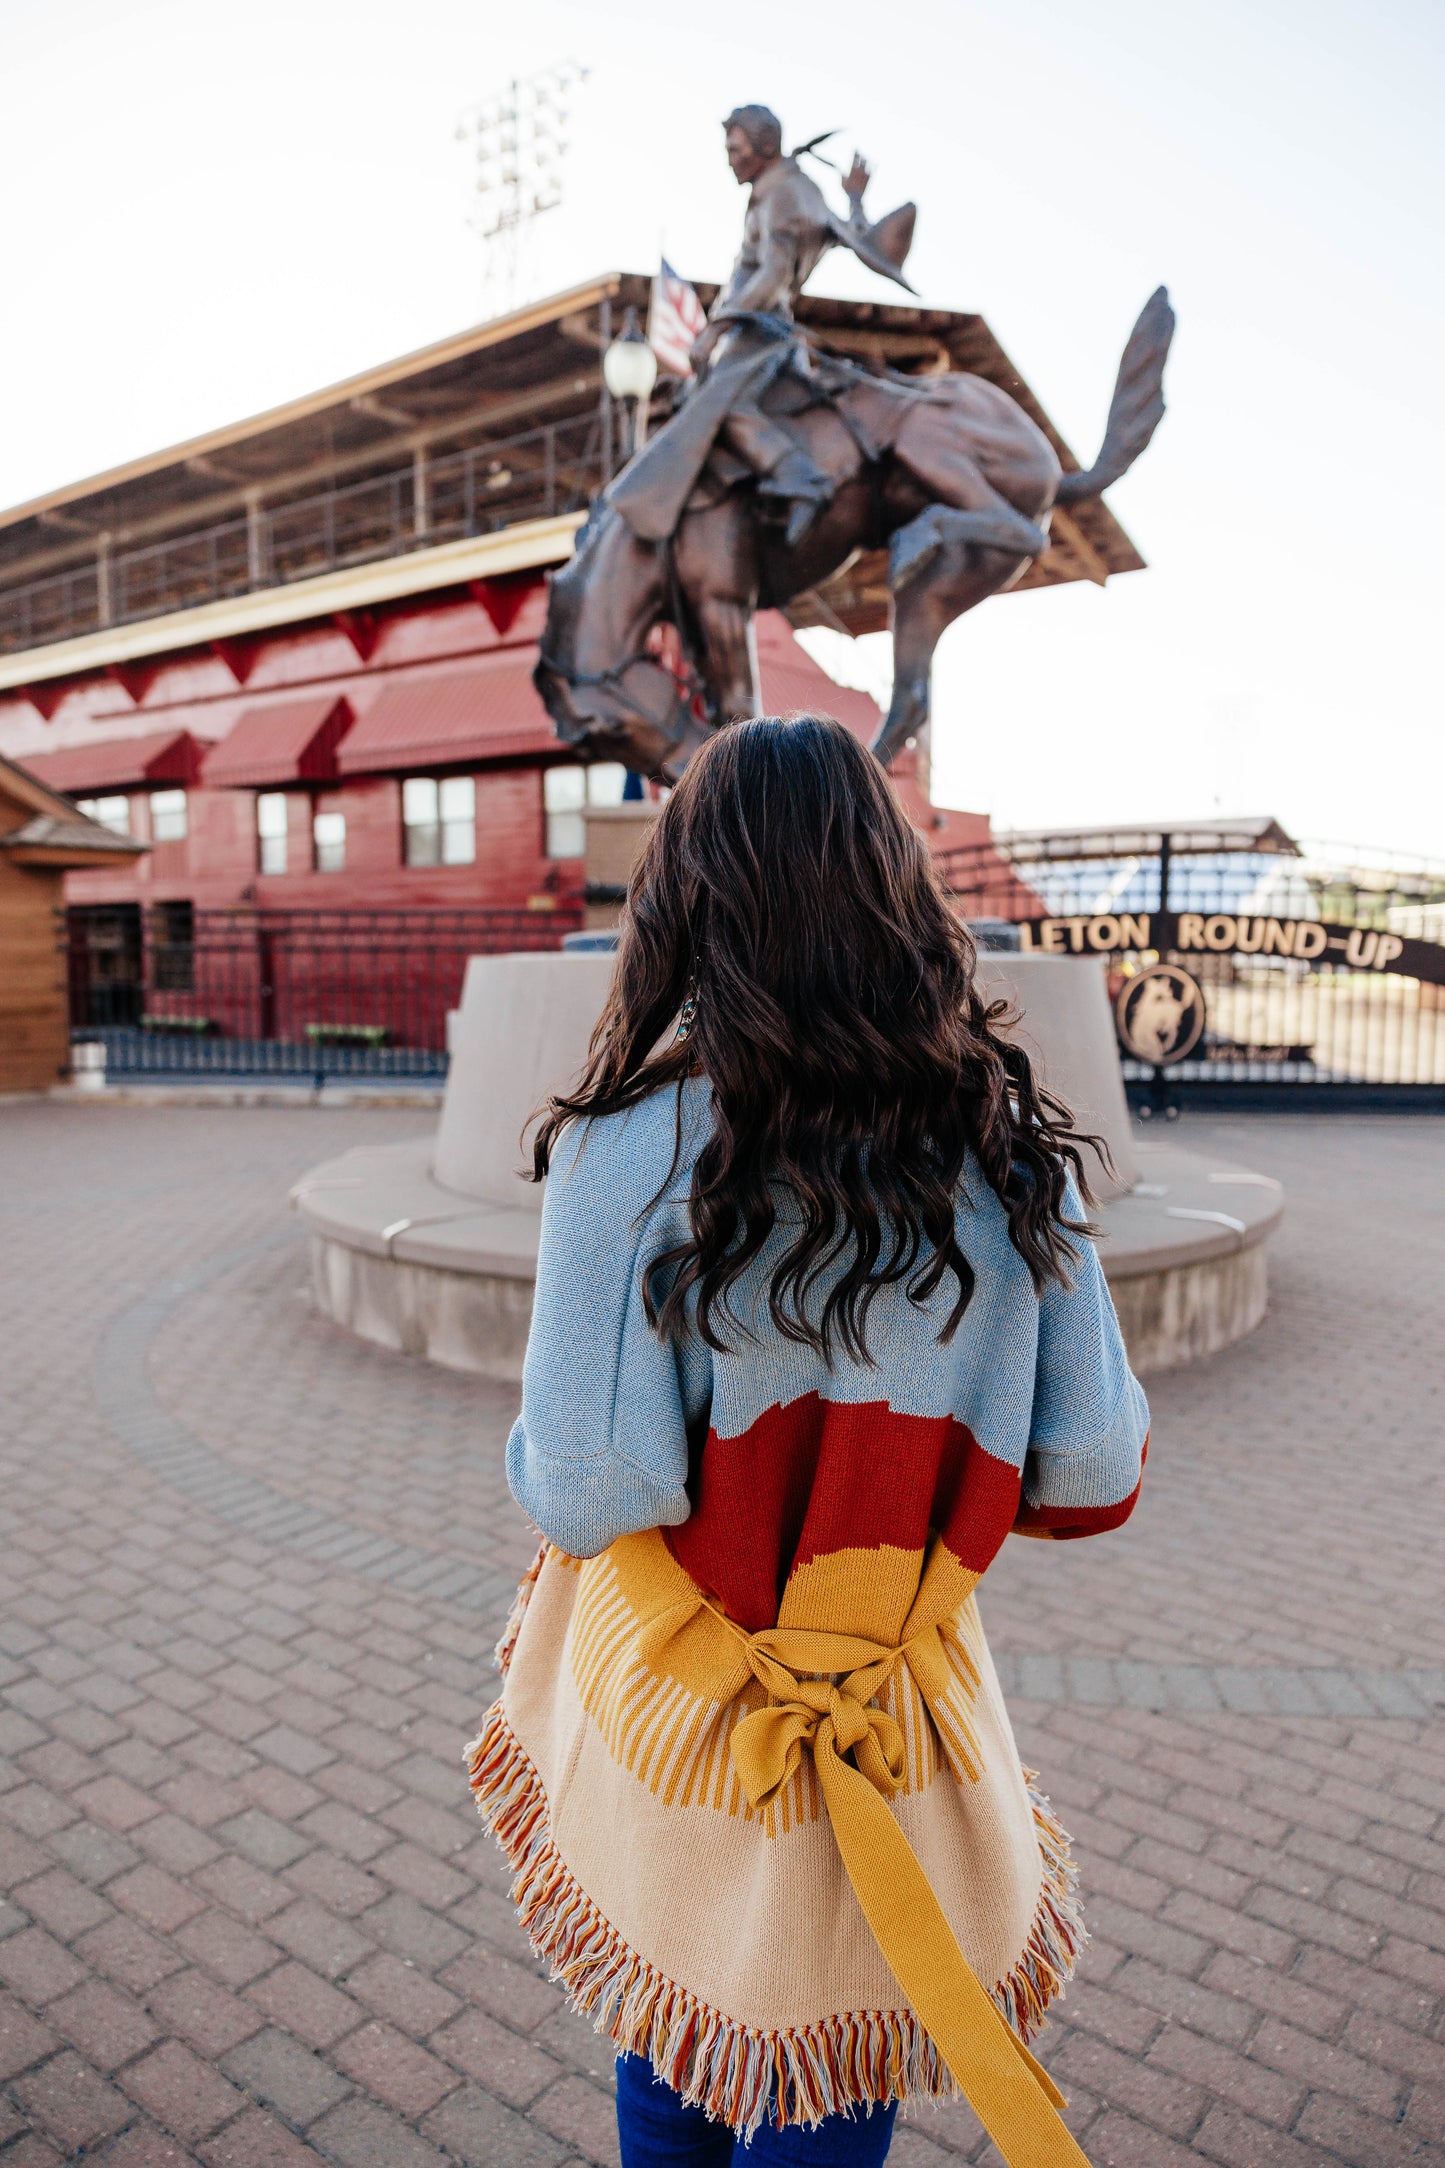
658,2130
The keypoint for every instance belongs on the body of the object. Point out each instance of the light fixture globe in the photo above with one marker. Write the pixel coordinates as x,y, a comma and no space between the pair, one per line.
629,366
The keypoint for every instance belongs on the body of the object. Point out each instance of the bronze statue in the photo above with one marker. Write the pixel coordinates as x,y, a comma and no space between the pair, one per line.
780,464
750,339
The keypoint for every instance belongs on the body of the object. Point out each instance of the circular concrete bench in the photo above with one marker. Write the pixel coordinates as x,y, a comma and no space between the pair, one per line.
430,1247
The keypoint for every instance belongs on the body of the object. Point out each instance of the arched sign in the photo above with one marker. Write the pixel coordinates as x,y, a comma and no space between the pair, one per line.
1159,1015
1230,933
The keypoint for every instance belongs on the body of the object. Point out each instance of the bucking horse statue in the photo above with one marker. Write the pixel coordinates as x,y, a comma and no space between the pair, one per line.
779,466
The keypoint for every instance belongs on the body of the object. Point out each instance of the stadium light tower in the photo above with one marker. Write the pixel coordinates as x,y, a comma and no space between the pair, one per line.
519,142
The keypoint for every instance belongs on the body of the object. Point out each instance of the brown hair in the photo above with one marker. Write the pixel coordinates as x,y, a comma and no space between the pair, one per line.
787,901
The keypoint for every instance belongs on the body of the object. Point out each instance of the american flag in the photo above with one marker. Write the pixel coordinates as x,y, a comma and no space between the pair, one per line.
674,320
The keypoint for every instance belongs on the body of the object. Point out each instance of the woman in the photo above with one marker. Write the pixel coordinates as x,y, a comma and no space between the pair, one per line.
817,1322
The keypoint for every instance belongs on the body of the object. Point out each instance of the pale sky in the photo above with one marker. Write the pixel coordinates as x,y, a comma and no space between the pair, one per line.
212,208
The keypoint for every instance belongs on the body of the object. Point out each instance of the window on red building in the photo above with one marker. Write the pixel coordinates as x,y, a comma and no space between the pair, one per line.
271,831
168,816
112,813
439,820
328,837
568,792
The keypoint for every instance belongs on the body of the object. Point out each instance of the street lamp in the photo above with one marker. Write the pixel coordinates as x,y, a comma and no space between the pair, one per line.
629,368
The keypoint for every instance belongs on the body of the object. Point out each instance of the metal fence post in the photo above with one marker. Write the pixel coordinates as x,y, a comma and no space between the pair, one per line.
103,610
420,507
605,405
255,540
265,981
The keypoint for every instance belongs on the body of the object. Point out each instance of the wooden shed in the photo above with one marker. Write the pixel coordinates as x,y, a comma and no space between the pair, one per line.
42,838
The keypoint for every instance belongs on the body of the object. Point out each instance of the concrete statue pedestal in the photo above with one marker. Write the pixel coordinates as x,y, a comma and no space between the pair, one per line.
430,1247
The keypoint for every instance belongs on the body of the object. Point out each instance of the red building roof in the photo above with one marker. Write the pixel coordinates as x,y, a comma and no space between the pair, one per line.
487,711
163,756
287,741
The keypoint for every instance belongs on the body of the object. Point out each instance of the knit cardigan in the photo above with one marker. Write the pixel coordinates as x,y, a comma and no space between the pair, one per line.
751,1762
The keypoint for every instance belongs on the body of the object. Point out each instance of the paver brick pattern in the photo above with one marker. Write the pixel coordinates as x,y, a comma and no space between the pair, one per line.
247,1916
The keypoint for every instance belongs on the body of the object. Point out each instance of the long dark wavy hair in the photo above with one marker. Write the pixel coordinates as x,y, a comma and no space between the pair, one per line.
785,905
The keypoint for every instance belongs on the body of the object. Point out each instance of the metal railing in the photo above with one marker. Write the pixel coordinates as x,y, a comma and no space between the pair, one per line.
1307,975
536,474
290,994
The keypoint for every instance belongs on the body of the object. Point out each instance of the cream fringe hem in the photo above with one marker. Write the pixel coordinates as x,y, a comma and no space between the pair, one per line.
738,2074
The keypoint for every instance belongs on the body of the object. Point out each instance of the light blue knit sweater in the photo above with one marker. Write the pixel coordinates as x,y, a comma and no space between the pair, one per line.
1029,1416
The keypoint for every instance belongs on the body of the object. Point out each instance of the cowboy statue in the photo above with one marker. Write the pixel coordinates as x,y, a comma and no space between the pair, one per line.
751,339
779,465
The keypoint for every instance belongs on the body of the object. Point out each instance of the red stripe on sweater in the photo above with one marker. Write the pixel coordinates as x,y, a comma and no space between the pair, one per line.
819,1476
1064,1522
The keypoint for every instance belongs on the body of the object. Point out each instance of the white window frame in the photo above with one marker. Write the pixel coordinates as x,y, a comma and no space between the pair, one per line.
332,846
568,793
112,812
273,822
443,811
170,816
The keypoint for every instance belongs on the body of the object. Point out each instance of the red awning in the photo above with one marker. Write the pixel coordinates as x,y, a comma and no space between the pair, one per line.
284,741
487,711
164,757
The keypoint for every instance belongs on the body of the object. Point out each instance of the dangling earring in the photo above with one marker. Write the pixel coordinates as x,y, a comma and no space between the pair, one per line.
686,1017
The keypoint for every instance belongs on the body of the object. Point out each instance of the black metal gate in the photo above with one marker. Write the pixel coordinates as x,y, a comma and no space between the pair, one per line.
1258,970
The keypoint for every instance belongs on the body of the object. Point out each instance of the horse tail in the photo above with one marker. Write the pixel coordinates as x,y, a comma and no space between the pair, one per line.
1137,407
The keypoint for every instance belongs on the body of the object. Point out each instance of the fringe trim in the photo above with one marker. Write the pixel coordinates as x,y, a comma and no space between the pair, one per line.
502,1654
738,2074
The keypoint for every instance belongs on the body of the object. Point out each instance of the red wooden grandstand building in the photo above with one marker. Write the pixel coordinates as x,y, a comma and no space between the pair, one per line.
294,657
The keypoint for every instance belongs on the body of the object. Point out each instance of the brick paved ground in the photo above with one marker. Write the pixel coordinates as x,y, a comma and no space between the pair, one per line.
252,1572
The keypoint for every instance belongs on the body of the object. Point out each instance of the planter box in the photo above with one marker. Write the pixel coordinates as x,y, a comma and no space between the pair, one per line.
188,1027
348,1034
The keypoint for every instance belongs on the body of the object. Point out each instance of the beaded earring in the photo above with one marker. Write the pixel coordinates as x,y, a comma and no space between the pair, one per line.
686,1017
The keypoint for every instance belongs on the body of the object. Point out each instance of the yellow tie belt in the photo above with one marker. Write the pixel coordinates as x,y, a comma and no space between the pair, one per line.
1012,2095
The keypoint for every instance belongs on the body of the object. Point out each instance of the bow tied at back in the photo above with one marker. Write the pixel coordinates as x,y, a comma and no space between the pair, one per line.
806,1711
